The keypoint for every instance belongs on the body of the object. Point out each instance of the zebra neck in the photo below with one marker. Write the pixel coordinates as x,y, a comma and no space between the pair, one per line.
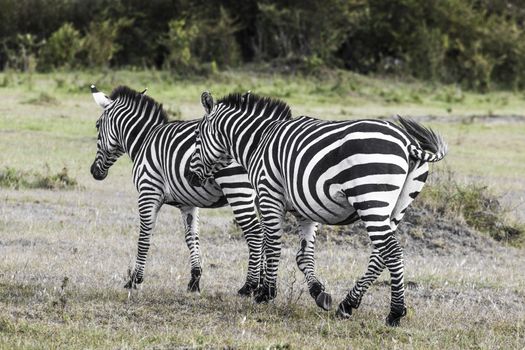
134,134
246,141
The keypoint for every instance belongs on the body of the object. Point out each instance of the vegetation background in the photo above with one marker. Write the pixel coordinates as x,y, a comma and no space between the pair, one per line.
476,43
67,241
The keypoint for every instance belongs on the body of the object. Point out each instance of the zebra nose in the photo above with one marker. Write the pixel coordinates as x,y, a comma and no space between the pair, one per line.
97,174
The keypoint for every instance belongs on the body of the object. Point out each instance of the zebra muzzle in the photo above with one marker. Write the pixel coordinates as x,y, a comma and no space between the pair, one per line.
97,173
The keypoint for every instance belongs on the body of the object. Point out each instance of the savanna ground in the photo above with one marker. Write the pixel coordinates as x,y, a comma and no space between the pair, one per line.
65,253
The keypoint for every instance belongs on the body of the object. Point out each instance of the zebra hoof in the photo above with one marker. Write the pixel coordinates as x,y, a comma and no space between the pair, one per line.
246,290
343,311
130,285
394,317
194,286
265,294
324,301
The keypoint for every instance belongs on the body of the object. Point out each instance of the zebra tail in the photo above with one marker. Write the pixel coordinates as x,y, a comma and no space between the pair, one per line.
430,148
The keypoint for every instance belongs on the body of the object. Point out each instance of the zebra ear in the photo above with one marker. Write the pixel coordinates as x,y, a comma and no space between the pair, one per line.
99,97
144,91
207,102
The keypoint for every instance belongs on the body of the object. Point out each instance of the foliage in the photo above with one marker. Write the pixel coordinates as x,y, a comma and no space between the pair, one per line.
62,48
179,41
101,41
477,44
216,41
23,56
191,41
301,30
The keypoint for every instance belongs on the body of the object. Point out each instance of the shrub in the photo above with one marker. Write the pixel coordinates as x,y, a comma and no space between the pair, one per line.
179,41
473,203
100,42
301,31
61,49
191,42
216,42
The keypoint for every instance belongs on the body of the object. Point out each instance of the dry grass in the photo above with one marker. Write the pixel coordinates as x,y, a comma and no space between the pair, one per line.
64,268
64,255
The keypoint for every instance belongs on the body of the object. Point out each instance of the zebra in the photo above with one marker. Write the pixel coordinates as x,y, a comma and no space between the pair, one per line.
134,123
330,172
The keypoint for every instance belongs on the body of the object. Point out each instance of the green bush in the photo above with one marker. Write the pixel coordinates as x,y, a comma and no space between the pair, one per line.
192,42
61,49
301,31
216,41
179,42
100,43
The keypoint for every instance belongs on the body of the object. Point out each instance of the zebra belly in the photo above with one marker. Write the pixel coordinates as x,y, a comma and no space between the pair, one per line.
181,194
336,211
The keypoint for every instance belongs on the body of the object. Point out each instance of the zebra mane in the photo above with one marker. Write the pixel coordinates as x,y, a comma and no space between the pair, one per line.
139,98
256,104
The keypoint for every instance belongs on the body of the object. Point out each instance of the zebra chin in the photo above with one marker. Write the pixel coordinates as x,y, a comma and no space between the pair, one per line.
97,173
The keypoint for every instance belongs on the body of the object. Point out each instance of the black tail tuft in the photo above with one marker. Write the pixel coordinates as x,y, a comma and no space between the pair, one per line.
428,140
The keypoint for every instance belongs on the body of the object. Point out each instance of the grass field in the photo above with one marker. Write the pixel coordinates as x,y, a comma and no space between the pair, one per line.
64,255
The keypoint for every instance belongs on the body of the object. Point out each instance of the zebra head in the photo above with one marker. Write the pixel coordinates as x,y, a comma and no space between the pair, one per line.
210,154
108,145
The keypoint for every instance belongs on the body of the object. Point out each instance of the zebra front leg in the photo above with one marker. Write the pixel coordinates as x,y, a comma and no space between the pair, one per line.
306,263
190,219
242,202
354,296
272,214
149,205
254,238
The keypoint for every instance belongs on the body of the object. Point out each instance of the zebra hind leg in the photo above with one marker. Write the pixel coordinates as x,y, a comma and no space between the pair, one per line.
190,219
354,296
390,252
306,263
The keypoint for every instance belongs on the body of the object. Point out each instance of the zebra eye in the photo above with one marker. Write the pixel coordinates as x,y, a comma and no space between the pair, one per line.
97,125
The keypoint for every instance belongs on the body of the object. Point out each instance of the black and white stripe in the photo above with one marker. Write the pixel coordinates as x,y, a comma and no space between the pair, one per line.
332,172
135,124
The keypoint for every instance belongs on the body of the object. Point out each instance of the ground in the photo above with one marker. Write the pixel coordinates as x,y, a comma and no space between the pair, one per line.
65,254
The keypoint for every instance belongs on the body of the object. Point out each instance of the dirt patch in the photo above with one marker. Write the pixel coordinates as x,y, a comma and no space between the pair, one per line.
420,232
